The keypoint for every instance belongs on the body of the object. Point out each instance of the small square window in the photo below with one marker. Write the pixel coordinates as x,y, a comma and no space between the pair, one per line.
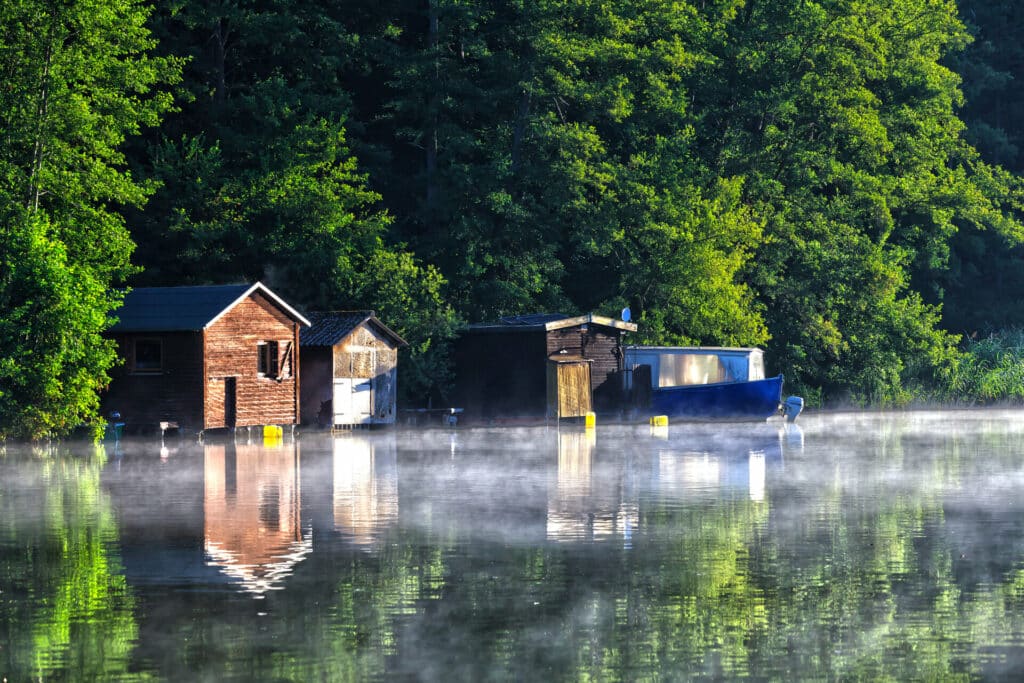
148,355
268,358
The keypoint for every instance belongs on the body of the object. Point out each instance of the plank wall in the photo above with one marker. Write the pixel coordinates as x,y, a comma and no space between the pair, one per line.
174,394
231,351
501,375
365,354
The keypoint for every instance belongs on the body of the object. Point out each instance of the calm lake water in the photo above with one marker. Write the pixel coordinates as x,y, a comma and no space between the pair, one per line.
848,547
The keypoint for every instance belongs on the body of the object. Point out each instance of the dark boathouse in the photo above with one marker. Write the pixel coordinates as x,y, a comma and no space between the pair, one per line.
540,366
212,357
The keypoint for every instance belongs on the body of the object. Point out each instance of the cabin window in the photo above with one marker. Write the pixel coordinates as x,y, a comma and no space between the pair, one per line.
148,355
267,358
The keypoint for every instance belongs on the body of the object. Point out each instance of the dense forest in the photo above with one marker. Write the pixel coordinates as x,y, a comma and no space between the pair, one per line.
838,181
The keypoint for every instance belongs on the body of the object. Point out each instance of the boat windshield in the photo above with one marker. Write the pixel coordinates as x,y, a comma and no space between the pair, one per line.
674,366
681,369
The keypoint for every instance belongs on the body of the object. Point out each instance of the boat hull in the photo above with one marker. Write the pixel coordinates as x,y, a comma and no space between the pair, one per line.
754,400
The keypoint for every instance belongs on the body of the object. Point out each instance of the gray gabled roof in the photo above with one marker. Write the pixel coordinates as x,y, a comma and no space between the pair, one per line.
187,309
327,328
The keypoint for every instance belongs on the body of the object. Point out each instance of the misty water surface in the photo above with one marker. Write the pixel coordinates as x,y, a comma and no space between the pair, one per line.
849,547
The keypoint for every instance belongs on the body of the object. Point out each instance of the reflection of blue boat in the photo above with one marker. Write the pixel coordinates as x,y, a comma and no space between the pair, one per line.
705,383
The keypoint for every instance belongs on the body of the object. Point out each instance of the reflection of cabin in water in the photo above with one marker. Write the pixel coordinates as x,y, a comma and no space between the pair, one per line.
540,365
579,511
207,357
349,369
365,487
253,530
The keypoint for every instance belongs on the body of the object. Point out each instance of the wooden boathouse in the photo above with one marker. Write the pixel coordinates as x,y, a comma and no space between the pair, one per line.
349,370
206,357
540,366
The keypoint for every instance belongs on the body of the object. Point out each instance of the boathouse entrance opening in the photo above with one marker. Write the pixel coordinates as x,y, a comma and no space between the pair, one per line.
230,402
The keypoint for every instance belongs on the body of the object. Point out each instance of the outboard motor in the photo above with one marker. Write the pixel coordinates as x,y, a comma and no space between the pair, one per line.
112,432
792,407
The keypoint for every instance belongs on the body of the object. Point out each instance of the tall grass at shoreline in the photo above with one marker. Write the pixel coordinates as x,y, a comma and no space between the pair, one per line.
990,370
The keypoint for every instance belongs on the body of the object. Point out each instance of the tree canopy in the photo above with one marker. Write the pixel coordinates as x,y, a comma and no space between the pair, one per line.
76,79
835,180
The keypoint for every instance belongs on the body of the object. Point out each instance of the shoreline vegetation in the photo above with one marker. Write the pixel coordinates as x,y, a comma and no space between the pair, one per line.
839,184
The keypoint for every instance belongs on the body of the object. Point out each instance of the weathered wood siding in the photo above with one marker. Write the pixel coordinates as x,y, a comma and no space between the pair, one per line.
602,346
366,354
173,394
231,351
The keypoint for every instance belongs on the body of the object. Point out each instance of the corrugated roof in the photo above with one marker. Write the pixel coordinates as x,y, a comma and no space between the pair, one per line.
327,328
185,309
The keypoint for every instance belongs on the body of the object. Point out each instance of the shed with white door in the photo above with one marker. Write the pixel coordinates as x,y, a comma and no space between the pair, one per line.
349,369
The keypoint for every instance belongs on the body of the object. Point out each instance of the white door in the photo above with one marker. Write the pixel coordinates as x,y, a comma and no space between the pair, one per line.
353,403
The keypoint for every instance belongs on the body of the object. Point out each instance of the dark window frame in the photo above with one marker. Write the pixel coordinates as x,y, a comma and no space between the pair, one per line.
268,359
147,367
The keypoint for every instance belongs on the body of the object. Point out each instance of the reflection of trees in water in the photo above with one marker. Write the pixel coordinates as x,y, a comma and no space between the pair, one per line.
65,608
879,582
841,566
884,561
858,576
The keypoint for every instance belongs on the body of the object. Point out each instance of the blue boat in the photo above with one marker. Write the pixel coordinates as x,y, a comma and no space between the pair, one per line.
707,383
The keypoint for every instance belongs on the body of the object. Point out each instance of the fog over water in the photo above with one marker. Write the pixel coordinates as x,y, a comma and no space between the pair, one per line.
866,546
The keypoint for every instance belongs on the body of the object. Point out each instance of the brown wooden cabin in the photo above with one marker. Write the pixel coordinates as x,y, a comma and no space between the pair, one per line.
542,365
209,357
349,369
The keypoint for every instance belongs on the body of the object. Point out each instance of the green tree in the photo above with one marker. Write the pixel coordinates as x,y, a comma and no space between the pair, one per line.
541,155
75,80
987,260
842,120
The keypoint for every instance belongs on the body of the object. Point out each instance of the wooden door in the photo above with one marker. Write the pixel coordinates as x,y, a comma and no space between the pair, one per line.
353,401
569,389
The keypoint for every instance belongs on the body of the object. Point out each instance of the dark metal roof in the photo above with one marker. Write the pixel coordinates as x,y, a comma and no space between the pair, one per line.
532,318
327,328
185,309
547,322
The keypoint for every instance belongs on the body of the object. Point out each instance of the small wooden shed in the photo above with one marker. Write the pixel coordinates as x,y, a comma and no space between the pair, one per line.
540,365
207,357
349,369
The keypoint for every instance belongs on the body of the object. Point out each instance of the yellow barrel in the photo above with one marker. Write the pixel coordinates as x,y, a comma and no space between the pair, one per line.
659,421
590,420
